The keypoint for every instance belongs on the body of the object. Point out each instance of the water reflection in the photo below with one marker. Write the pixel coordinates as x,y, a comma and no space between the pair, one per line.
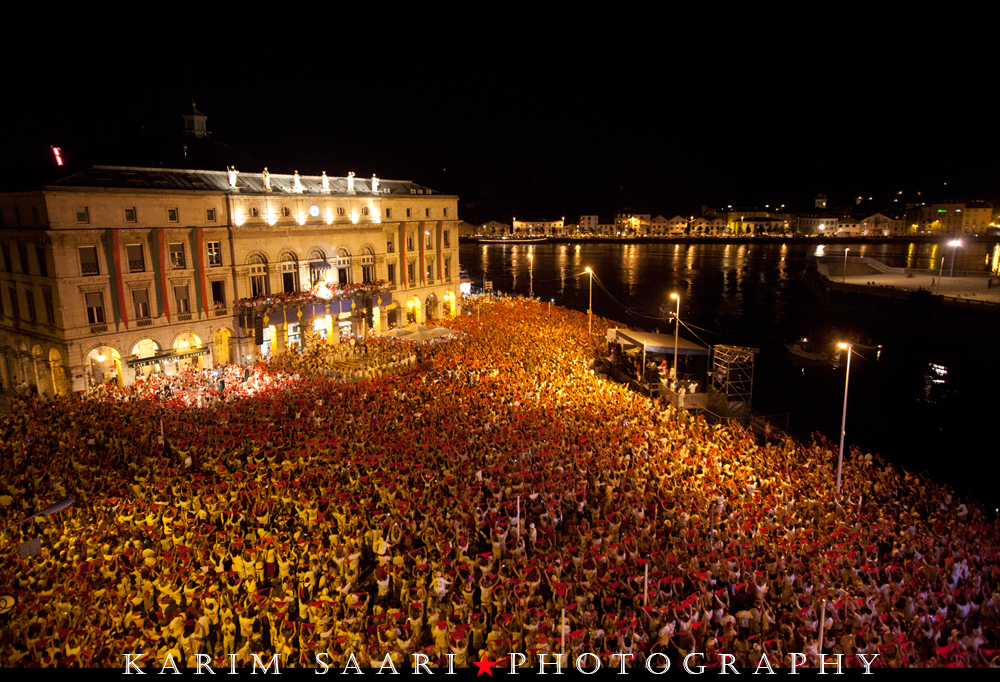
935,383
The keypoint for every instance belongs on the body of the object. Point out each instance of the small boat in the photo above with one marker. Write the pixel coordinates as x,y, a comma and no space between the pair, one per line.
803,349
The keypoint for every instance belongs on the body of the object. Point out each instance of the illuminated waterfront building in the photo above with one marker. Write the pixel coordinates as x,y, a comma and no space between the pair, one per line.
114,272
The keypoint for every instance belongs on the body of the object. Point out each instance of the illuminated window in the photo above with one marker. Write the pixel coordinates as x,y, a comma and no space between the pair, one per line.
177,261
215,254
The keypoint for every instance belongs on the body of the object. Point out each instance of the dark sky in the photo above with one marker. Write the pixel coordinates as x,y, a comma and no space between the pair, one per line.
524,112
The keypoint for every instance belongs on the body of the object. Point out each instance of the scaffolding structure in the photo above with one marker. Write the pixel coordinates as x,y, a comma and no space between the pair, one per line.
731,386
732,372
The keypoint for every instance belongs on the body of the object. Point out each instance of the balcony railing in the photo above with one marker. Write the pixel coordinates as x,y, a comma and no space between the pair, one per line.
144,322
221,312
136,266
91,269
183,317
98,328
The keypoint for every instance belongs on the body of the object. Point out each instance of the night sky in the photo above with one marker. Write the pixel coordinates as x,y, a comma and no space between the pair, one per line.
526,112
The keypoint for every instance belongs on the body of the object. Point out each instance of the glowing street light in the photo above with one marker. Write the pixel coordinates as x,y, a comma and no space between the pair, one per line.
677,330
843,418
844,278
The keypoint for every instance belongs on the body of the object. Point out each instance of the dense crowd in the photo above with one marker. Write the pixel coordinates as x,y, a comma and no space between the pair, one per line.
461,507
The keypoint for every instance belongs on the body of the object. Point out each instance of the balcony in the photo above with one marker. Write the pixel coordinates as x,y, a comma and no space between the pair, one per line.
136,266
183,317
221,312
144,322
98,328
90,269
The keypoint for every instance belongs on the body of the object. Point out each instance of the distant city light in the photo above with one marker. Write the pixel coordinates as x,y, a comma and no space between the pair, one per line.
58,154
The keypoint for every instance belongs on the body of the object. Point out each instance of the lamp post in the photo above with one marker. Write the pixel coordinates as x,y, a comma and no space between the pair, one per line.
531,275
677,329
954,244
590,303
844,278
843,418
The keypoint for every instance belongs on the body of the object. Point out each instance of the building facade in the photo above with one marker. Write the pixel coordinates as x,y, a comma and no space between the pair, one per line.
589,224
116,272
549,228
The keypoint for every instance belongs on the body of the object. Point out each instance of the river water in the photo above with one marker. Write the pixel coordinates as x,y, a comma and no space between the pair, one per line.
923,401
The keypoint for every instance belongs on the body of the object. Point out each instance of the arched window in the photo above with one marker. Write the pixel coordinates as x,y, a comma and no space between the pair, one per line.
285,212
340,210
317,254
364,210
254,212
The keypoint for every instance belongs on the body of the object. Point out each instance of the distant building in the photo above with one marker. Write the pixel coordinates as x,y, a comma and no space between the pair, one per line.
815,222
949,218
589,224
494,227
631,224
677,225
659,226
549,228
880,225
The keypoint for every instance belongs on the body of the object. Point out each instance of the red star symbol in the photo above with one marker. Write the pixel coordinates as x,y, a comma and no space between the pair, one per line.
485,666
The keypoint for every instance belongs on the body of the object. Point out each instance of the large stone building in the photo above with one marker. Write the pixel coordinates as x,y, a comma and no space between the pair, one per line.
114,272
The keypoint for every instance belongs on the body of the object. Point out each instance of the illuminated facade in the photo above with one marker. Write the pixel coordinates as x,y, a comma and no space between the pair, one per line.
550,228
116,272
949,219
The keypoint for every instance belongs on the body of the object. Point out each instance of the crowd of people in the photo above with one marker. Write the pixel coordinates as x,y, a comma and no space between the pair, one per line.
463,506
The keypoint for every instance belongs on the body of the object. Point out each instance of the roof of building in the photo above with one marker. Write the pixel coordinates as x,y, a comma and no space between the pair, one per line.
174,179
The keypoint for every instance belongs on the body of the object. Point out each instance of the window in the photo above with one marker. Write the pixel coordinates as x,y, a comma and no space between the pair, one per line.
427,213
215,254
392,273
172,215
136,262
389,248
43,266
88,260
50,311
210,215
445,213
82,214
140,298
29,297
430,269
429,241
340,210
447,240
364,210
95,308
388,213
285,212
258,285
5,248
409,242
130,215
15,311
22,252
408,213
219,294
177,256
411,272
447,267
367,273
254,212
181,297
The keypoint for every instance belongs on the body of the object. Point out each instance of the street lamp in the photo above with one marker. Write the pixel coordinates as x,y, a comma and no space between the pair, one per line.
531,275
954,244
677,329
590,304
843,418
844,278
